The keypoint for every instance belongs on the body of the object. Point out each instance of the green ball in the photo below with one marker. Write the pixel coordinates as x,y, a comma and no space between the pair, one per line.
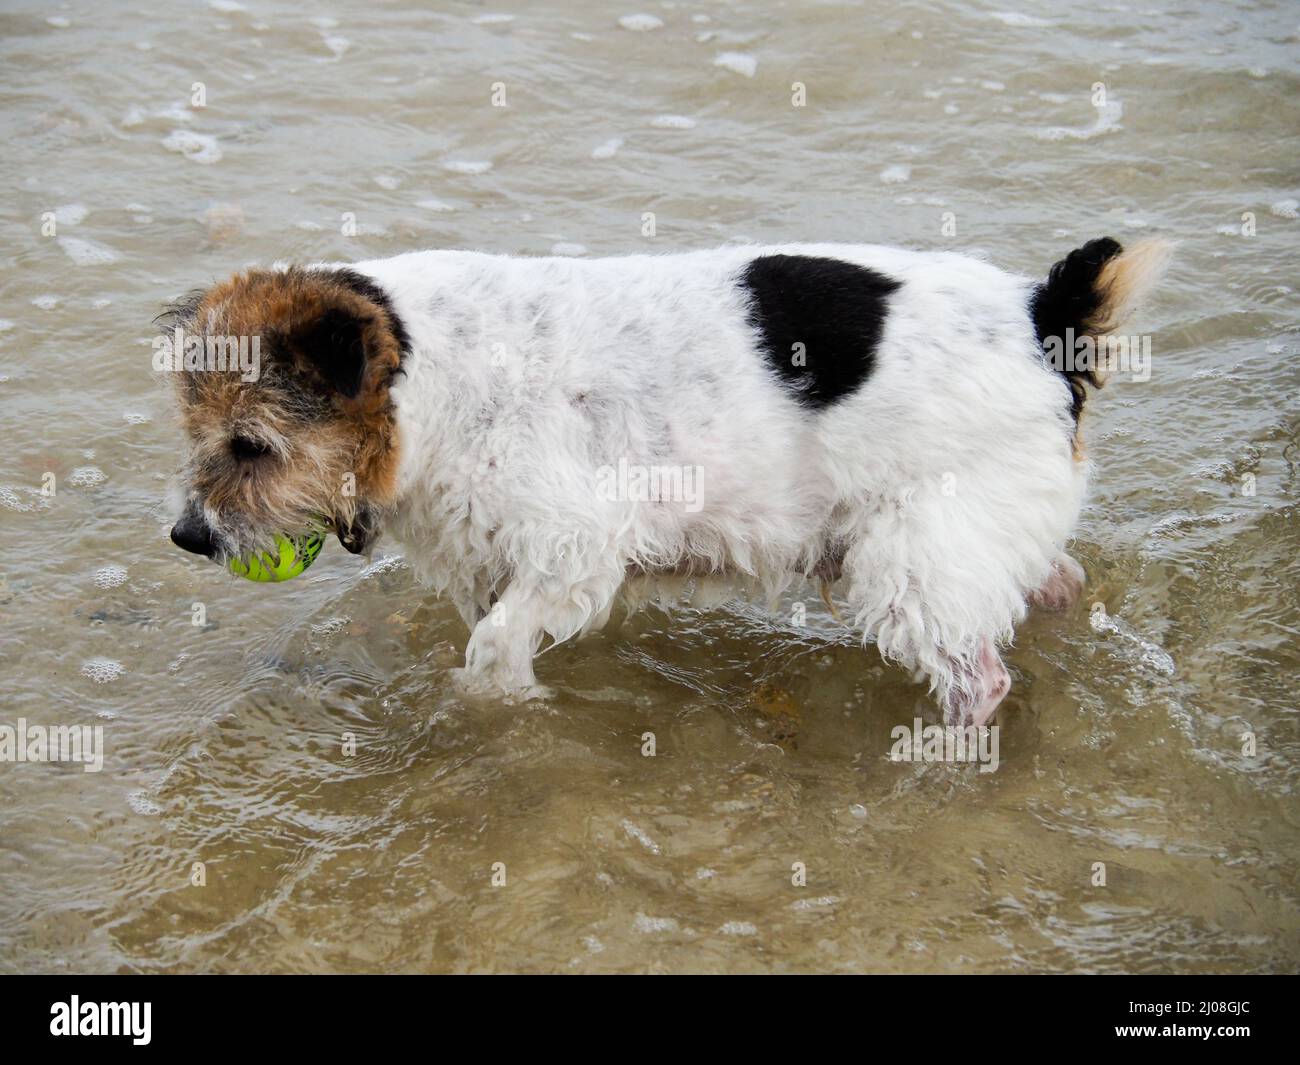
296,554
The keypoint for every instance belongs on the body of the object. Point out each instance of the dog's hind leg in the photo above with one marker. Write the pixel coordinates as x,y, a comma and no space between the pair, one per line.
935,610
1063,586
978,681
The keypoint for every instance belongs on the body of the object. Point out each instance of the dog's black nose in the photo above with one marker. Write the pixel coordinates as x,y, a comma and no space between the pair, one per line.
192,533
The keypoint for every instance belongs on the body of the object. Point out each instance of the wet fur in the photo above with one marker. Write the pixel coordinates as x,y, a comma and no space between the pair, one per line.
939,490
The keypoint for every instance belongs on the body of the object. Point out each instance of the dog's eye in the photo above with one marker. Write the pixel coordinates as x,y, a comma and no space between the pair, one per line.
243,447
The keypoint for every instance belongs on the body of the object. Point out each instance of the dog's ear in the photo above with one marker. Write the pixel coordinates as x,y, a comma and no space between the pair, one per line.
344,332
334,345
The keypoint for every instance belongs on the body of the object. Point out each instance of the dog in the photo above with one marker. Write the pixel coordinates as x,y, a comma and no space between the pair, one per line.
549,436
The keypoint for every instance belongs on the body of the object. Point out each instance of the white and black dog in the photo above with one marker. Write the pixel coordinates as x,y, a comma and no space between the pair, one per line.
544,435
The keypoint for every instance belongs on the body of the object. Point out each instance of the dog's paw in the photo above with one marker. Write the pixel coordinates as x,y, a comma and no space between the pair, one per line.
534,693
466,682
478,685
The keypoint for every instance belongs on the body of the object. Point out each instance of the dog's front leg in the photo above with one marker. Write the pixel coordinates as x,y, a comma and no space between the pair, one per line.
499,655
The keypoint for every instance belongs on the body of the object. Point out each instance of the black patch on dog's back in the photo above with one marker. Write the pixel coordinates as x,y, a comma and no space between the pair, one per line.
835,309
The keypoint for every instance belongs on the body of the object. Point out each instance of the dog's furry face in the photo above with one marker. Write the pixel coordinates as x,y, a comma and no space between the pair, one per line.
308,436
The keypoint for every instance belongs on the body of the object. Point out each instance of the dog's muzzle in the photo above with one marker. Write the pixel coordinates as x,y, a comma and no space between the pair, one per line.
192,533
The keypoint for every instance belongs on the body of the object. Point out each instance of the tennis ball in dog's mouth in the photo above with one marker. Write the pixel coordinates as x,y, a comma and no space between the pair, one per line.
296,553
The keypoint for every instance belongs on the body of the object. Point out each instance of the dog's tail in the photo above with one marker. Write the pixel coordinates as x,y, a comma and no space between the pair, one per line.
1091,293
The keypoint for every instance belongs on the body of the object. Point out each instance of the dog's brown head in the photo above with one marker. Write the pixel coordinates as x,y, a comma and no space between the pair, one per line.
283,380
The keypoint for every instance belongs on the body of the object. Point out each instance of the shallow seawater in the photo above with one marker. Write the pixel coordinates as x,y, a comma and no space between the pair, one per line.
370,129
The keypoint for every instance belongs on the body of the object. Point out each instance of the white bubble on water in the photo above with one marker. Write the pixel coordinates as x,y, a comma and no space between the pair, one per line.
738,63
563,247
102,670
467,166
46,303
59,22
672,122
640,835
10,501
607,150
739,928
640,23
896,173
1015,18
197,147
331,626
387,181
141,803
110,576
337,45
5,325
1108,121
382,565
175,112
87,477
434,205
87,252
1135,645
70,214
821,902
1286,208
493,18
647,925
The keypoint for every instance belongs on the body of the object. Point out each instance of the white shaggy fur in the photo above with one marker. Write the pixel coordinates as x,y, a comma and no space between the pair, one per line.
947,481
